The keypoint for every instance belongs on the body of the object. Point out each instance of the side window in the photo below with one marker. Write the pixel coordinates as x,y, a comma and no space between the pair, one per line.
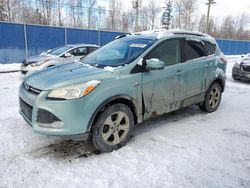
193,49
209,48
168,51
79,51
91,49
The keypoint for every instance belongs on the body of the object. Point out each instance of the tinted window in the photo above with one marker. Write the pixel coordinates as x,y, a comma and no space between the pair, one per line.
167,51
91,49
209,48
193,50
79,51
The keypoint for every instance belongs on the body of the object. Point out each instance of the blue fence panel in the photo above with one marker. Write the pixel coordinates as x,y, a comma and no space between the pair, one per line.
245,47
82,36
42,38
12,44
107,36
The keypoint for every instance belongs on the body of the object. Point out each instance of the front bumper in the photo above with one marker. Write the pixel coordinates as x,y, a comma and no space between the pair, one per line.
25,70
238,73
73,115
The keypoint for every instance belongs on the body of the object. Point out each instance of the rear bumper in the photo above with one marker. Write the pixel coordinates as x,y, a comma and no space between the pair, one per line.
66,117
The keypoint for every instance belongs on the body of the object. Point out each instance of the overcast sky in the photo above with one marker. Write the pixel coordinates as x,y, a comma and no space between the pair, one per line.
222,8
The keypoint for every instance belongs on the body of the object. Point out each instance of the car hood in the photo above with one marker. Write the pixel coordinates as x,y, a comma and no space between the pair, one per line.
68,74
37,58
245,61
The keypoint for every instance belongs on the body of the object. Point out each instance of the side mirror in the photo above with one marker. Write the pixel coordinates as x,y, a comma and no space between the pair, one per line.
155,64
67,55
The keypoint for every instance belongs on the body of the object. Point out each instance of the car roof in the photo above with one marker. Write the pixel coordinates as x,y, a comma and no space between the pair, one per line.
82,45
163,33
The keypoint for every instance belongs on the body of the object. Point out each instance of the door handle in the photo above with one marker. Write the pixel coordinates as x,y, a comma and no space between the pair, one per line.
136,84
208,65
178,72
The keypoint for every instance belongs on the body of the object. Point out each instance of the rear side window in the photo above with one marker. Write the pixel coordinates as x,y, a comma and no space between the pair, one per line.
209,48
91,49
168,51
79,51
193,49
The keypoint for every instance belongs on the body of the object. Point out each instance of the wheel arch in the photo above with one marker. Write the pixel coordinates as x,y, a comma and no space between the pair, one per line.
123,99
220,81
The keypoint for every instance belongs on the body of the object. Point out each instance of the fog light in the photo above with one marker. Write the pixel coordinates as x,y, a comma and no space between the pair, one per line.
54,125
57,125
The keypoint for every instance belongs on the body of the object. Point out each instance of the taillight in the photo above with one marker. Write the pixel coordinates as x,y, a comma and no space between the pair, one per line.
223,58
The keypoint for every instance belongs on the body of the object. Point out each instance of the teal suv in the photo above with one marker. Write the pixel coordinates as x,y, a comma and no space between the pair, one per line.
127,81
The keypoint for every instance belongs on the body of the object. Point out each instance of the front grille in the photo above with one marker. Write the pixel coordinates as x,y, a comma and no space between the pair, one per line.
26,109
245,68
31,89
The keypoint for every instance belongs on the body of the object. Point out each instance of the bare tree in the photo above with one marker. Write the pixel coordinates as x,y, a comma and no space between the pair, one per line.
242,22
144,18
153,11
178,5
189,7
59,10
228,27
72,12
115,12
91,4
3,12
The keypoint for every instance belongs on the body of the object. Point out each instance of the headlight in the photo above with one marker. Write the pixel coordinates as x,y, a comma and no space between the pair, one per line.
39,63
74,91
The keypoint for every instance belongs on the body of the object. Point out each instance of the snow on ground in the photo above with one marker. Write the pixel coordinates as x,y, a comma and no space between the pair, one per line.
9,67
187,148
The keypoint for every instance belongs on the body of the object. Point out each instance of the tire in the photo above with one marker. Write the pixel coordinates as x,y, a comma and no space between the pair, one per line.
235,77
113,128
212,98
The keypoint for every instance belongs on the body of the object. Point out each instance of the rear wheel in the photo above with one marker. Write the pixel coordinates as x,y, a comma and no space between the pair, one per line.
212,98
113,128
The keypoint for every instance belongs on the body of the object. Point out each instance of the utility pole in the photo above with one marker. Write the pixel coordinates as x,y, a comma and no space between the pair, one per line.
135,4
210,2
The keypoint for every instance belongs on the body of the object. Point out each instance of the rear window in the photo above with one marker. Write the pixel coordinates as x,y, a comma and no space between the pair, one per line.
193,50
209,48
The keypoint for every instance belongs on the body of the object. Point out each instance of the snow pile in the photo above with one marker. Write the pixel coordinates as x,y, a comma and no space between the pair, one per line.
10,67
187,148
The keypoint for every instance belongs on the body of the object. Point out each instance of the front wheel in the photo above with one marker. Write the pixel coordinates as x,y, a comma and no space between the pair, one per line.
212,98
113,128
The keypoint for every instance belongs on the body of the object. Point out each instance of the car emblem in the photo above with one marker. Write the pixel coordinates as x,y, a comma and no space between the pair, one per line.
27,87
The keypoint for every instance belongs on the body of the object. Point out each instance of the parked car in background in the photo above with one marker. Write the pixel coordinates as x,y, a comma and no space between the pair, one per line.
127,81
63,54
241,71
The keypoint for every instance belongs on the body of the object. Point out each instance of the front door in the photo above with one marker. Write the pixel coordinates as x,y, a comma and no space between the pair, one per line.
193,68
162,88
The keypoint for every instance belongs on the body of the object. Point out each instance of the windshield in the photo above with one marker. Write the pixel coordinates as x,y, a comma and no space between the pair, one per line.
118,52
59,50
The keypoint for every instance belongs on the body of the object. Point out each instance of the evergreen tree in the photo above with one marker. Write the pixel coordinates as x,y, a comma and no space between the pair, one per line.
167,15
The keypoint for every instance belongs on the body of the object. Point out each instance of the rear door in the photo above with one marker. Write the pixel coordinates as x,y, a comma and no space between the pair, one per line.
193,68
210,66
161,88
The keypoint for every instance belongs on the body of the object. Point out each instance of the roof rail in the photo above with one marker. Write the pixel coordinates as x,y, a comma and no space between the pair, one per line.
163,32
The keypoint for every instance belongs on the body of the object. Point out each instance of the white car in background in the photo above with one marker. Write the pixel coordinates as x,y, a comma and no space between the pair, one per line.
63,54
